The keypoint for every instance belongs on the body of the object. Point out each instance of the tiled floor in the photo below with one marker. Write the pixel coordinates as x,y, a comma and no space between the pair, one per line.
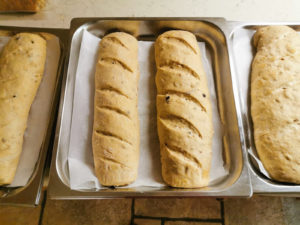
259,210
12,215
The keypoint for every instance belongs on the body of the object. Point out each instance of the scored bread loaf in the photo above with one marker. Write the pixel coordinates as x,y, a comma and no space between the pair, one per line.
184,114
116,125
22,64
275,101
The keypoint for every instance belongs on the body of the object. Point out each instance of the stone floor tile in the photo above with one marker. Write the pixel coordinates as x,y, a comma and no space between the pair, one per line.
291,208
189,223
138,221
204,208
87,212
258,210
14,215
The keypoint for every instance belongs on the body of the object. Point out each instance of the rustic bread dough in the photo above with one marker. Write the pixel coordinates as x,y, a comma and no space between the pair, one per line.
275,101
22,63
21,5
116,125
184,113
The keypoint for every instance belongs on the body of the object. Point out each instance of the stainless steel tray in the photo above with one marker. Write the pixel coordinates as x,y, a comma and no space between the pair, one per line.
238,32
29,195
237,183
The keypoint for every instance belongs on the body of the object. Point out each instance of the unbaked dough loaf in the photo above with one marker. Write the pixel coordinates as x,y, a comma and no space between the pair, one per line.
22,64
275,101
184,114
116,125
21,5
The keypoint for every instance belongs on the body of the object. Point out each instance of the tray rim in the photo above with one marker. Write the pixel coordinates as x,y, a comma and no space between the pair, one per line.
30,194
59,190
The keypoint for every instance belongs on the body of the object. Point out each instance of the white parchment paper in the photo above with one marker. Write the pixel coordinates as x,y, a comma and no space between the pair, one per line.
243,55
80,158
39,114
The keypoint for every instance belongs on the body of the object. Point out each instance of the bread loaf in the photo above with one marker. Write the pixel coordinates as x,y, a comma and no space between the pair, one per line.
21,5
275,101
184,114
22,64
116,125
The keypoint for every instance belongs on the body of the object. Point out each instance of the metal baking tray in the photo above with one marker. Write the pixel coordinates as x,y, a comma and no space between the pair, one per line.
240,33
209,30
30,194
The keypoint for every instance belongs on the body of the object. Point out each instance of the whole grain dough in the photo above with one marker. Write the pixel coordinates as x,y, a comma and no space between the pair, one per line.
116,124
275,101
22,63
184,112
